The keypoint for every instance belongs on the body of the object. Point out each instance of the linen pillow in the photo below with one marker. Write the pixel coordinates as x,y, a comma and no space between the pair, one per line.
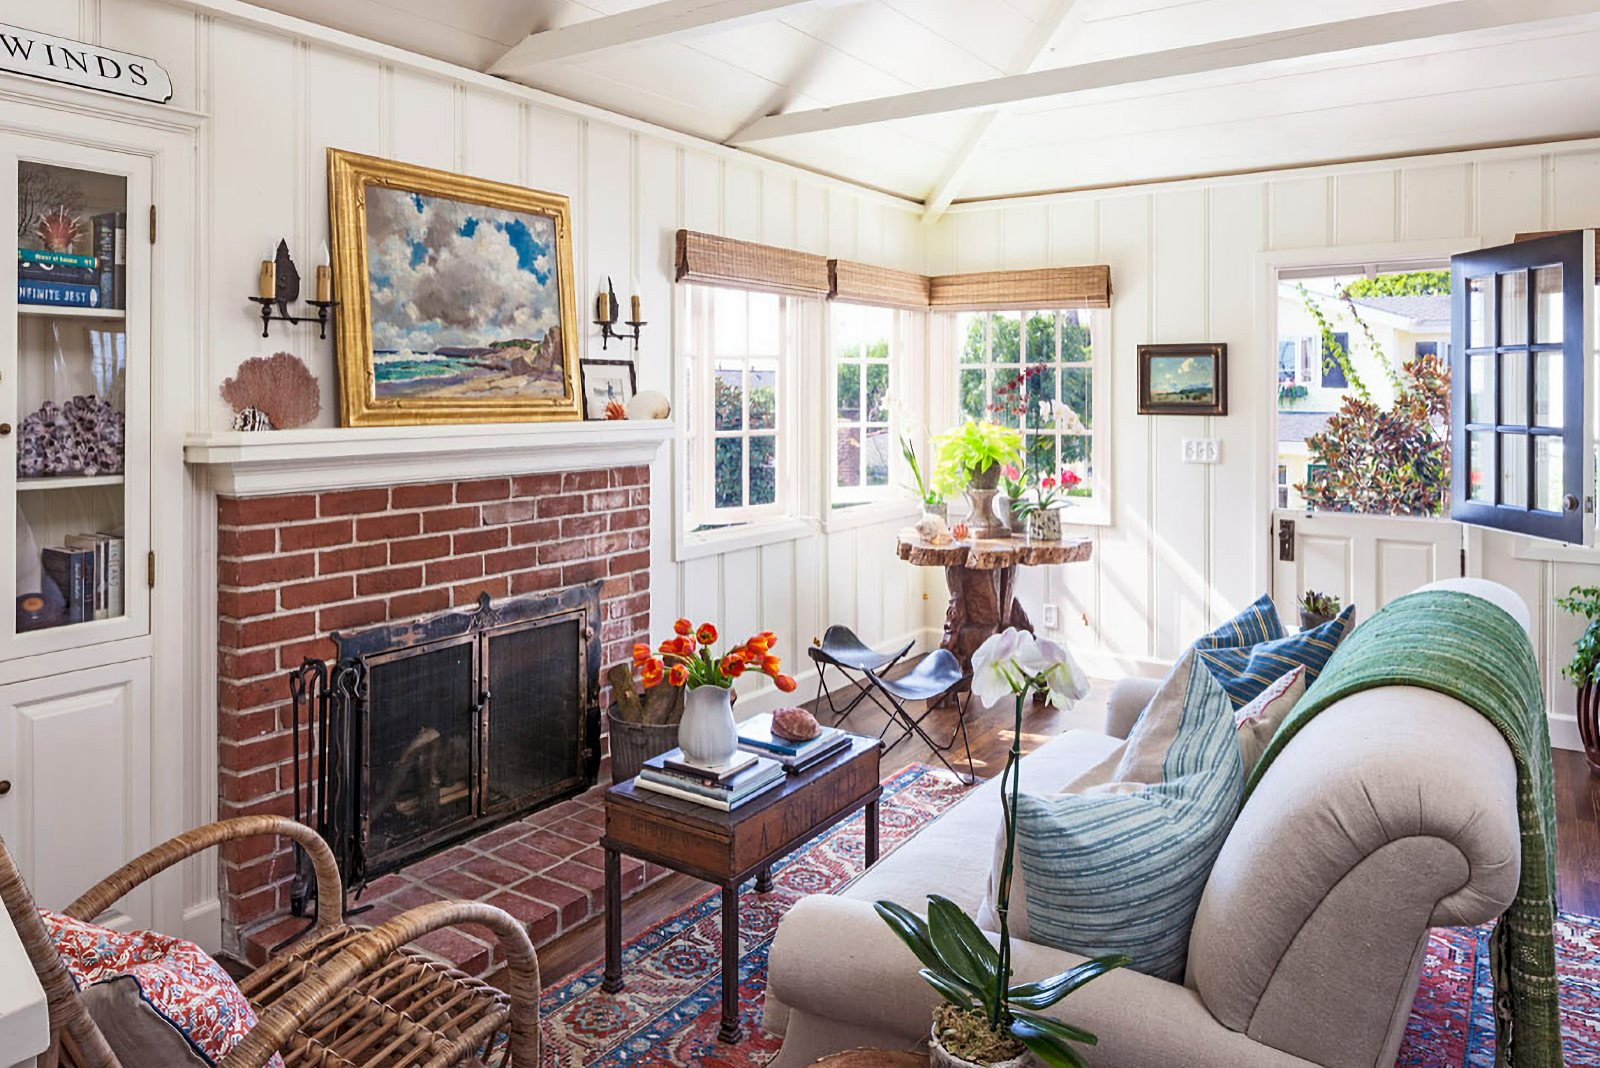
1119,866
158,1000
1259,720
1245,670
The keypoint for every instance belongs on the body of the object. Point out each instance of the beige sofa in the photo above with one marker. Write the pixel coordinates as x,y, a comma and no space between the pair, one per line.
1391,812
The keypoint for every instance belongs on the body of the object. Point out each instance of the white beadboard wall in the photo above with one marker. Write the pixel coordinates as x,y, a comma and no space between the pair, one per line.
280,92
1189,544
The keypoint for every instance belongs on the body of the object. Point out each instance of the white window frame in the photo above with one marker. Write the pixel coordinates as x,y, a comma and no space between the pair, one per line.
899,343
1095,510
703,522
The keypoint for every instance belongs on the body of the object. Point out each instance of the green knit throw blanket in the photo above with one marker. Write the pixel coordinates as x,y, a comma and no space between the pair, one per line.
1471,650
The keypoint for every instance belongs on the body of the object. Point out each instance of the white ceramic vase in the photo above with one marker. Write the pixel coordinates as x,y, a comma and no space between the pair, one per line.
708,734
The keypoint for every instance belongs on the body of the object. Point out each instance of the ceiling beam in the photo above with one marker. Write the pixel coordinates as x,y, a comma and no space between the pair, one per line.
1434,20
948,187
629,27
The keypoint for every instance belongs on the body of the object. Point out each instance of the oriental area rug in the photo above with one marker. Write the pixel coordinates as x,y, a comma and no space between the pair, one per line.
669,1012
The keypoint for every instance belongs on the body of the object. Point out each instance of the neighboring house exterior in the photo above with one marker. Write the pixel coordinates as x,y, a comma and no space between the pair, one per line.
1401,326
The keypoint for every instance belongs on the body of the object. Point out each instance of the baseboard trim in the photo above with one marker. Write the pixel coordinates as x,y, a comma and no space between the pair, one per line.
1564,731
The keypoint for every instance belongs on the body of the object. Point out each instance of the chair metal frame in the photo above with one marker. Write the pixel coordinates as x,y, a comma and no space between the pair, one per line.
864,687
910,725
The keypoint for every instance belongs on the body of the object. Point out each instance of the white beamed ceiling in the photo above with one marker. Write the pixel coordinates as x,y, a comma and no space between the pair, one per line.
1524,83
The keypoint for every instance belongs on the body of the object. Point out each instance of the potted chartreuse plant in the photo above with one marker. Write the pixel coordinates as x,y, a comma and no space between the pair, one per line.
1583,670
986,1019
974,454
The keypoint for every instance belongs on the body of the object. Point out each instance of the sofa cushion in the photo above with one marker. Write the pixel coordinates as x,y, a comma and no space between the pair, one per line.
1256,624
158,1000
1119,866
1245,670
1259,720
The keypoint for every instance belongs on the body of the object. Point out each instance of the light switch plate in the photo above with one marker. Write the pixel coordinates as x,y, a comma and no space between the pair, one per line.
1201,450
1052,617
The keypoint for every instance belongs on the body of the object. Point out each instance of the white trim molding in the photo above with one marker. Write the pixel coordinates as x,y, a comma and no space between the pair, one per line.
268,463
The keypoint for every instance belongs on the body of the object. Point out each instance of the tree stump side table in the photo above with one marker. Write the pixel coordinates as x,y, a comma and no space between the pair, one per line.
982,577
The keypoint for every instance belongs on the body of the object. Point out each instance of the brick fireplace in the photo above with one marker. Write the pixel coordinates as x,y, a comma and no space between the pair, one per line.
295,567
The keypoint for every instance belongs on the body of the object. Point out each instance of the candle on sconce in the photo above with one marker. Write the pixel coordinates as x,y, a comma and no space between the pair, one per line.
605,308
268,287
324,278
636,316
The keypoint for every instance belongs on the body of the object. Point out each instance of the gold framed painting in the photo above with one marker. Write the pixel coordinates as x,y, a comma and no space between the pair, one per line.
455,297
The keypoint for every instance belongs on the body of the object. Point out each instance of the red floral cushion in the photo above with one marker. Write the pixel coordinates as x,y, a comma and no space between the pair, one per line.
180,990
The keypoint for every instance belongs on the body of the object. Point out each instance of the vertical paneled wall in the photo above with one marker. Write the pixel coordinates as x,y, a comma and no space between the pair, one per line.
1189,544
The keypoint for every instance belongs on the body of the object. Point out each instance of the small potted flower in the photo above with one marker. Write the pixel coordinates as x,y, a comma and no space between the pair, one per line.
707,734
1317,609
1013,489
932,491
1043,512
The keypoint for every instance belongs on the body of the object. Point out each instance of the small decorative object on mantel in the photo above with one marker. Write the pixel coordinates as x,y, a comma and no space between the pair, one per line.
1583,670
279,389
279,285
607,308
1183,379
649,404
606,382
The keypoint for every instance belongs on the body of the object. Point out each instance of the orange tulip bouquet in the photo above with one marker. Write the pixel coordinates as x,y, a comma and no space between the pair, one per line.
707,734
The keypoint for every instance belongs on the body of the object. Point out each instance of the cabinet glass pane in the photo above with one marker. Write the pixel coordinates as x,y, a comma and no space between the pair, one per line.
71,383
1514,308
1480,388
1549,395
1478,297
1514,470
1548,320
1547,473
1514,388
1480,466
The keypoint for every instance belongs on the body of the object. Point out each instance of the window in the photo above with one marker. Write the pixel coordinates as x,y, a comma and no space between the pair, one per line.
1332,365
1034,370
1430,348
1283,486
739,417
867,342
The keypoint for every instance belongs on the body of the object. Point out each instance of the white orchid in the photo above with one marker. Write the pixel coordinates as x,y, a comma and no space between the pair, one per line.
1013,662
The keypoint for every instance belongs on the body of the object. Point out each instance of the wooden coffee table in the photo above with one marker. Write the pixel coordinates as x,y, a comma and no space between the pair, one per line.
727,848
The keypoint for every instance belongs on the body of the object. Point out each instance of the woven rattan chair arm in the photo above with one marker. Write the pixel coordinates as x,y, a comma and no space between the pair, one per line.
330,890
290,1013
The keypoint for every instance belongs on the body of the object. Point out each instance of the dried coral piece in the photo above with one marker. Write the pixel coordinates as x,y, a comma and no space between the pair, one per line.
960,532
84,436
59,230
279,385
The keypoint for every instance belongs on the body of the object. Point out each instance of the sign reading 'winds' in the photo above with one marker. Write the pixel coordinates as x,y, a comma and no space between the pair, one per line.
39,55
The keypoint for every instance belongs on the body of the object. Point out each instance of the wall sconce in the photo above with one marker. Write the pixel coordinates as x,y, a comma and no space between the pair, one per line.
606,311
280,285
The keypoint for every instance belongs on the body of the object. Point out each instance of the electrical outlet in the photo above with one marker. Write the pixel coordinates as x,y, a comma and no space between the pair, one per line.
1201,450
1052,617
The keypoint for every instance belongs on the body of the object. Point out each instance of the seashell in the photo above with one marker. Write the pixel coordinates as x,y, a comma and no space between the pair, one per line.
649,405
795,724
960,532
251,418
931,528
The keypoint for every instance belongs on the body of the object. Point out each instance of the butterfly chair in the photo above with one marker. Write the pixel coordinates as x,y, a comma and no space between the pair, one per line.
345,996
935,675
841,650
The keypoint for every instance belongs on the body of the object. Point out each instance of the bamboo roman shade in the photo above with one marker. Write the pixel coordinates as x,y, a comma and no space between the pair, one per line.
1052,287
724,261
863,283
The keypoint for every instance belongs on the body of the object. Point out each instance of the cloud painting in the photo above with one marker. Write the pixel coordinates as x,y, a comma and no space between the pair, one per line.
464,299
1182,380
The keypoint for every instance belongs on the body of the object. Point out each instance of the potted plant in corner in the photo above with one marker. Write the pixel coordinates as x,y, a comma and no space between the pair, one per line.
1043,513
707,733
1013,491
973,455
987,1020
932,493
1317,609
1583,670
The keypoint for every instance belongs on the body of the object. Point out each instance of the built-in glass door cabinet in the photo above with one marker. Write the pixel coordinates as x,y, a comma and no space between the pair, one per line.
74,395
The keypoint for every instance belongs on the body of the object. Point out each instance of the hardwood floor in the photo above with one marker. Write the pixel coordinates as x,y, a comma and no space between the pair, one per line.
1577,816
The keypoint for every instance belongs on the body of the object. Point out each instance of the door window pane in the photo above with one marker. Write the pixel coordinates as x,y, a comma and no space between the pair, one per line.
1514,308
1514,388
1480,470
1548,320
1548,473
1514,470
1480,388
1478,290
1548,388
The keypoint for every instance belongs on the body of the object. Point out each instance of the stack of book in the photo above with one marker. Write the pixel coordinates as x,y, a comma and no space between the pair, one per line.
73,280
755,736
726,786
87,568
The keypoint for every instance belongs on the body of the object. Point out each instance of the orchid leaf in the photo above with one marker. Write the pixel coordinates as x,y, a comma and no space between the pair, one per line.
912,931
943,910
1050,1050
952,992
952,949
1046,992
1063,1031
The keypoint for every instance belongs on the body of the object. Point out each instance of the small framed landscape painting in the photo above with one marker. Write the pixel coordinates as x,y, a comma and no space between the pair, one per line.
1183,379
604,382
455,295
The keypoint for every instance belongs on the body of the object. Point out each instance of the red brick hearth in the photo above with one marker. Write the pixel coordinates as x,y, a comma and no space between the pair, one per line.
292,569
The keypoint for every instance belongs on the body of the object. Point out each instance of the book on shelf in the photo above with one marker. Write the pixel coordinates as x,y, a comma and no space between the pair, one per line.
715,775
72,570
53,272
55,259
107,549
110,248
57,294
687,792
92,544
114,593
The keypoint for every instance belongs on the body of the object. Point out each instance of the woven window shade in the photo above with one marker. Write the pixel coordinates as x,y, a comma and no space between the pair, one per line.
722,261
1052,287
862,283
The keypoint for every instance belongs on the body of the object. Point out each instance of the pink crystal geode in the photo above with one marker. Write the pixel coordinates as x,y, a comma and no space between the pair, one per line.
795,724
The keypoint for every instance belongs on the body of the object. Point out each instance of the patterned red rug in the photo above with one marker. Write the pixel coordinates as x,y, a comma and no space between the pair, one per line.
668,1014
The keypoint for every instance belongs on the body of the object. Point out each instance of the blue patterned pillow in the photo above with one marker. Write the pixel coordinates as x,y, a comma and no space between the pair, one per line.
1256,624
1120,867
1245,670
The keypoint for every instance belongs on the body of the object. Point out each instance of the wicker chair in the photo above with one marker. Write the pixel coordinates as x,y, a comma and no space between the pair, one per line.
342,997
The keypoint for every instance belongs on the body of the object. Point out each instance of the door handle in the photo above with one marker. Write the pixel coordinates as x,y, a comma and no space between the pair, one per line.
5,428
1570,503
5,787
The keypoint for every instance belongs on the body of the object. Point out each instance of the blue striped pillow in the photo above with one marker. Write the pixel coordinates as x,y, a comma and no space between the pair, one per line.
1245,670
1256,624
1120,868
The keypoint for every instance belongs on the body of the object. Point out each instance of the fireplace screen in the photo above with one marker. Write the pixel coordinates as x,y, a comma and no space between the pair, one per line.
425,733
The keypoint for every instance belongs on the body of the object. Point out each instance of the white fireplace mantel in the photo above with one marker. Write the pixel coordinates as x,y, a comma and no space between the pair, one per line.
273,462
